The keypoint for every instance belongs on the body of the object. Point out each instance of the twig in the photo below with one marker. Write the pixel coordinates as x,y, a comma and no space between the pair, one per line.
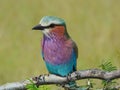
53,79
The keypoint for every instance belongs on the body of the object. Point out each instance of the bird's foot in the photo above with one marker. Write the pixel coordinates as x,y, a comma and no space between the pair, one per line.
40,78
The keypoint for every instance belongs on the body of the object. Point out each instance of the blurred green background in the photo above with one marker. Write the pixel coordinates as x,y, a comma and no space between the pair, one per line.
93,24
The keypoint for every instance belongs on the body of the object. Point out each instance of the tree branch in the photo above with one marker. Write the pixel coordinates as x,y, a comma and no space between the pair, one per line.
53,79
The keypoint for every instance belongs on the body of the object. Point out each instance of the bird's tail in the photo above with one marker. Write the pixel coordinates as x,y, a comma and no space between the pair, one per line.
71,85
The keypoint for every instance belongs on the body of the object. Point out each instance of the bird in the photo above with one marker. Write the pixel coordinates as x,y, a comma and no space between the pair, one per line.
59,51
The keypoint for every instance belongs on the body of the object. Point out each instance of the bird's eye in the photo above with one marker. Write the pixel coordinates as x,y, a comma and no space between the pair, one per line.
52,25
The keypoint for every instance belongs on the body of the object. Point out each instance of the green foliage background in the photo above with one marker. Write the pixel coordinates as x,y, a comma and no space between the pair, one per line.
93,24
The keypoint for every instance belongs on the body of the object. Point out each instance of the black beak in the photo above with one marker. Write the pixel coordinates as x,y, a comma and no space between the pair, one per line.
38,27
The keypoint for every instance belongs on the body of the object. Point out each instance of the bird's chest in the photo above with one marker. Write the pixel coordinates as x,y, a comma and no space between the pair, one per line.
56,51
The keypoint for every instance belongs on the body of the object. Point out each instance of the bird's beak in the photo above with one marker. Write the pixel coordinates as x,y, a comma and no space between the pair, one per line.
38,27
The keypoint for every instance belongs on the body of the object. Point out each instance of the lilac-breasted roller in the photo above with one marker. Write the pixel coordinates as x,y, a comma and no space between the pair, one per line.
59,51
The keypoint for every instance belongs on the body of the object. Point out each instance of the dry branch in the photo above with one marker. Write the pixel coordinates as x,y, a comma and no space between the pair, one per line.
53,79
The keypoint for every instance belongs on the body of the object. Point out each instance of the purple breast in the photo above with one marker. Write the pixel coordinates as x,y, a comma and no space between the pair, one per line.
57,51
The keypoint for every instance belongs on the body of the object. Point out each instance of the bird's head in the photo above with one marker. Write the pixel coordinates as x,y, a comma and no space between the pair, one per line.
51,24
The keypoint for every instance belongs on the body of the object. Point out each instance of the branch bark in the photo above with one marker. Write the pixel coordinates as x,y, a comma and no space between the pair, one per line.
53,79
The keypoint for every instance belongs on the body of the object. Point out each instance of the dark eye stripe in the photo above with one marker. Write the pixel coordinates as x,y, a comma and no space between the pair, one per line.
50,26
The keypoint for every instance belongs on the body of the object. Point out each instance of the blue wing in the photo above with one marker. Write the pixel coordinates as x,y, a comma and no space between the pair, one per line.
75,50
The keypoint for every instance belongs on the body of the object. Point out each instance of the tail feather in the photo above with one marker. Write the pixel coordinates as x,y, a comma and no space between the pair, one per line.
71,85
